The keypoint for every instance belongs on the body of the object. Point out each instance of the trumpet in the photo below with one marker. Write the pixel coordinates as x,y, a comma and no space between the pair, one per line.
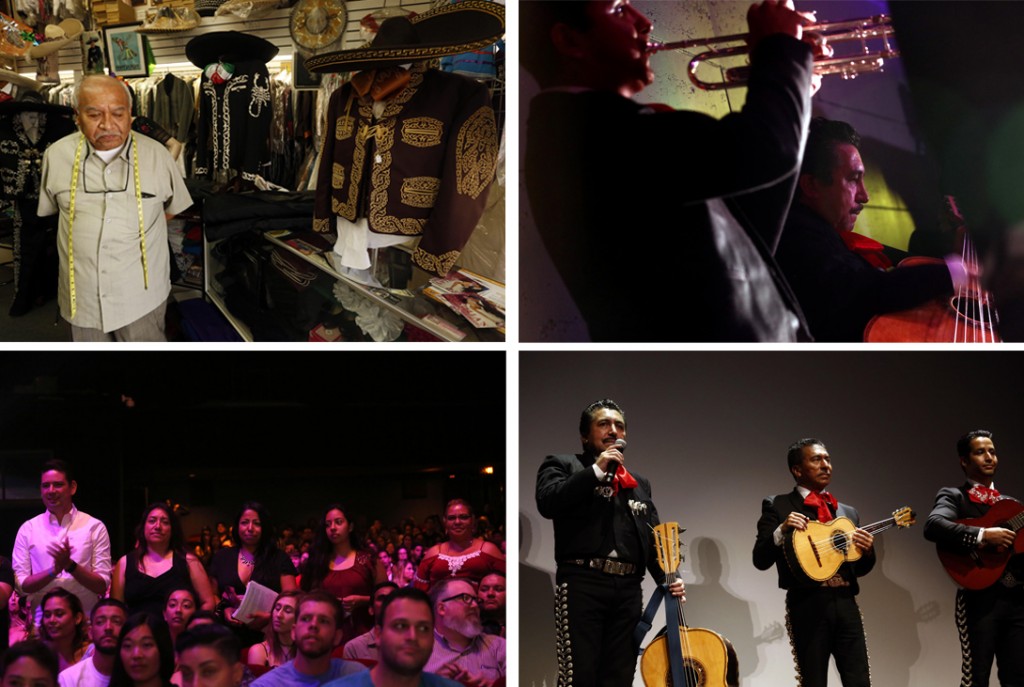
849,67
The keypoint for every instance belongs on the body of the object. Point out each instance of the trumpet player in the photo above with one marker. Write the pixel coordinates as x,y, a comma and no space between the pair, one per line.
605,210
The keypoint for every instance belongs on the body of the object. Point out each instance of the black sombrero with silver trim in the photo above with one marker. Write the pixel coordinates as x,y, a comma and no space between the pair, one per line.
447,30
228,46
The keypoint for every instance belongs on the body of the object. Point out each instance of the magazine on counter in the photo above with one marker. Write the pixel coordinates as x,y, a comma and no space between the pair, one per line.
478,299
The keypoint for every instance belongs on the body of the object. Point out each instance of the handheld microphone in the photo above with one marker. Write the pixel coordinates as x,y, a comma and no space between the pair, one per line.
613,465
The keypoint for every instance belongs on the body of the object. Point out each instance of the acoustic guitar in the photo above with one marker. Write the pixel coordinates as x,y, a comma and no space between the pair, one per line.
983,567
818,551
704,653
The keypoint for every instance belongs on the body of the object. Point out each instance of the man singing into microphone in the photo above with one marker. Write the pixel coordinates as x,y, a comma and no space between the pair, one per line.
603,516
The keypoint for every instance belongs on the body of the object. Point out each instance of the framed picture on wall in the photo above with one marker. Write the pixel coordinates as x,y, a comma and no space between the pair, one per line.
126,51
92,52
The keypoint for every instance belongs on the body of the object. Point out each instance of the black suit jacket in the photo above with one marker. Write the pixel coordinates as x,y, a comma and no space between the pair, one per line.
840,291
952,504
662,224
565,494
774,510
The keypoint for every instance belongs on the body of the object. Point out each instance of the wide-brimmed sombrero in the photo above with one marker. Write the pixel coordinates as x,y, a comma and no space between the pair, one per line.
228,46
20,80
170,20
446,30
58,36
15,36
31,101
316,24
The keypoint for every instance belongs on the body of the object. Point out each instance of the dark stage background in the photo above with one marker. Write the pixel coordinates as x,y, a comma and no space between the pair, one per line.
389,436
710,431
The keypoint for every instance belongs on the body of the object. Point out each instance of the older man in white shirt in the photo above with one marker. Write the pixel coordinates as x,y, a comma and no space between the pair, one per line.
62,547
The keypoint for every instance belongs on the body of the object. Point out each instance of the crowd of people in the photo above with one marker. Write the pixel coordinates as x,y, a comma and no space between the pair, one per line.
289,606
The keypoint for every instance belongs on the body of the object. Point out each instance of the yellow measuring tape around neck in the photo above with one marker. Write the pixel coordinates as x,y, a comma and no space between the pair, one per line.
75,170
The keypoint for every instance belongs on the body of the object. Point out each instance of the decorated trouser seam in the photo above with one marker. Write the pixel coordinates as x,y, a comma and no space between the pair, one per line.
967,662
562,641
792,646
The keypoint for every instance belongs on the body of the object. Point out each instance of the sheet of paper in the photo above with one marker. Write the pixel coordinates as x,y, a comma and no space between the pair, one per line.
257,599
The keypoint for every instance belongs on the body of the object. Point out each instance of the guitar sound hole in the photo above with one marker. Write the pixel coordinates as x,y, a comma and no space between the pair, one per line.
694,674
969,308
839,541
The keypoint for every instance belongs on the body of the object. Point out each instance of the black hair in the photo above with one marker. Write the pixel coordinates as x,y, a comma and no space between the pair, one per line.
108,601
411,593
267,546
963,444
203,614
177,542
795,455
587,416
81,637
537,18
161,634
58,465
34,649
820,151
317,565
217,637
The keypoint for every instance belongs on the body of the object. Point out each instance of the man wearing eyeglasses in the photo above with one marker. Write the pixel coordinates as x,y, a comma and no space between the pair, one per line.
114,191
462,651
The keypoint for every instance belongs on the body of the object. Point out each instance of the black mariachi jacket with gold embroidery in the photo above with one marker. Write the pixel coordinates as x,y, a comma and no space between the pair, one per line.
422,169
234,122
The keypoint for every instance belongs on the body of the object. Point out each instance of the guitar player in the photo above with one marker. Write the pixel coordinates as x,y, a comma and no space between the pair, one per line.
822,617
990,621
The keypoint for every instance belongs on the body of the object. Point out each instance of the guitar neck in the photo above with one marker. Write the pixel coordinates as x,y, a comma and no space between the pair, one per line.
880,526
1016,522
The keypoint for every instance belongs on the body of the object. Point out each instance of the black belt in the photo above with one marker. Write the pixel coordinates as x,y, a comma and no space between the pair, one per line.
610,566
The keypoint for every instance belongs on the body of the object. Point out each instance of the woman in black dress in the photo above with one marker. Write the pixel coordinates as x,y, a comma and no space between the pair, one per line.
158,564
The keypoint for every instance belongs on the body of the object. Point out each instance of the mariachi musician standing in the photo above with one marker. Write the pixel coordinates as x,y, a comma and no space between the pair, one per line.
990,618
604,518
822,617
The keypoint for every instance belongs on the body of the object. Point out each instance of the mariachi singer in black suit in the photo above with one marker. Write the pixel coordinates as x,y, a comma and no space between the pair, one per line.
823,618
603,516
662,224
990,621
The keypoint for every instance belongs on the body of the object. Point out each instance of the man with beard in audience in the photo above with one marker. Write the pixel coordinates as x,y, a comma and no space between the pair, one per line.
462,651
108,615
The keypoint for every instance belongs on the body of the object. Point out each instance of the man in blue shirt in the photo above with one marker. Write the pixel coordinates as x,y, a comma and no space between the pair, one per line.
316,633
406,640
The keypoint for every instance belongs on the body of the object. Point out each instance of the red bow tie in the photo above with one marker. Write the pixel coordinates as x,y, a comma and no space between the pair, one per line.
623,480
822,502
982,494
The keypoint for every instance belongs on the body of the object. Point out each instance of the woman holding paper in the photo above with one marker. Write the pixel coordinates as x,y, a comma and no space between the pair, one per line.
255,558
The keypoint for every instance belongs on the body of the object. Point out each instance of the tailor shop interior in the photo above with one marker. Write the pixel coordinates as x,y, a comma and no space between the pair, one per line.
345,163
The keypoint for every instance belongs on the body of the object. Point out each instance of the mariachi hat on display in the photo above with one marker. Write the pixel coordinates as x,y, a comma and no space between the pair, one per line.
15,37
247,9
316,24
446,30
32,101
228,46
57,36
170,20
207,8
20,80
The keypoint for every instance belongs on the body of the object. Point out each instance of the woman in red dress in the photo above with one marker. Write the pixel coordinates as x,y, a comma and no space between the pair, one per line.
463,554
338,565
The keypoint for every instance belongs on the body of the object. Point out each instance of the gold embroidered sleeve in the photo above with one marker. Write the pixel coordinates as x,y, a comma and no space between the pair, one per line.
476,152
